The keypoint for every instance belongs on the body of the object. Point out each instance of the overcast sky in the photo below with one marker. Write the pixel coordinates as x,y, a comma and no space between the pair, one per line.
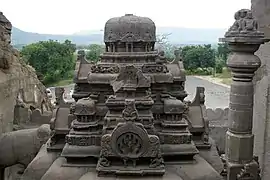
70,16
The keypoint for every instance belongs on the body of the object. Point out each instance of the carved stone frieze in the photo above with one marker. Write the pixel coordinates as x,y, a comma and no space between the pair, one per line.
156,68
83,140
105,69
176,139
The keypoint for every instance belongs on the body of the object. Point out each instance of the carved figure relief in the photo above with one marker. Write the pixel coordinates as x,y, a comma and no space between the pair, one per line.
244,25
130,112
129,144
130,76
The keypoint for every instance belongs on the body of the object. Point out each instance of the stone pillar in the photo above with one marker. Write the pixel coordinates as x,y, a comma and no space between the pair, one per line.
244,40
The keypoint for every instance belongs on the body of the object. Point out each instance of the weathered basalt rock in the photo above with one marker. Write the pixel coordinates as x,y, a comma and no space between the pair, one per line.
18,81
20,89
261,11
19,148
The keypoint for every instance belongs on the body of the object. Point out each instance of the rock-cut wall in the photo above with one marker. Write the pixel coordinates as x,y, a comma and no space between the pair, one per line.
16,80
261,118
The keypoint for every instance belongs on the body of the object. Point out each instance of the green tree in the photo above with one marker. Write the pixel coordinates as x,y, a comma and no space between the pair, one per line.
222,54
52,60
94,51
198,56
223,51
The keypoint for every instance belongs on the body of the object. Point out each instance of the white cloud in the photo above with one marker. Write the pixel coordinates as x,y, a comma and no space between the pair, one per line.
69,16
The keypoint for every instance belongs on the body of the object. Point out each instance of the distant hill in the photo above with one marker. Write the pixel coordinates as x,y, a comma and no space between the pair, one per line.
22,37
177,36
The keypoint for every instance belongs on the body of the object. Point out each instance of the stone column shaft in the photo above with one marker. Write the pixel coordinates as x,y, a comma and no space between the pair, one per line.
239,136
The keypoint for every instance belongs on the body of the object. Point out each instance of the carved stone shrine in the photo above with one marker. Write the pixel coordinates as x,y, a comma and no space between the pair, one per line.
130,117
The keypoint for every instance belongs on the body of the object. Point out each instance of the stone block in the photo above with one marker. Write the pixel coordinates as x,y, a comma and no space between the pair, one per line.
239,148
38,118
21,115
218,125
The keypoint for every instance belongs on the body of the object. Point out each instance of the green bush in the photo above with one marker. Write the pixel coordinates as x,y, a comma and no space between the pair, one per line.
198,56
52,60
220,64
200,71
94,51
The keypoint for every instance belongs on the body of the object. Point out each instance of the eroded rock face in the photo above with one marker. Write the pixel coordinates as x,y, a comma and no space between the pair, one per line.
16,79
261,11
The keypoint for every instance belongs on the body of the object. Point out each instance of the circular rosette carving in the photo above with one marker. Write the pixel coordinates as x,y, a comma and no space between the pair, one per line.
129,145
130,141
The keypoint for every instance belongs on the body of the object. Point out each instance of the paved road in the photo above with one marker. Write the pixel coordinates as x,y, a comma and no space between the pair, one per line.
216,96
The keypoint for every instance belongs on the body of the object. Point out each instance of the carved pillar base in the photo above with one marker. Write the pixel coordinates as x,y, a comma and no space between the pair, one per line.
233,170
241,147
249,171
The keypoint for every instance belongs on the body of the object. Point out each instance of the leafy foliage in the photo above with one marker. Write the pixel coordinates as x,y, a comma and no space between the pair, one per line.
52,60
223,51
221,56
94,51
199,56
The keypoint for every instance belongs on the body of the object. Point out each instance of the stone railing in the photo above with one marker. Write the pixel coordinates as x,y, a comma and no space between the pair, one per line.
218,125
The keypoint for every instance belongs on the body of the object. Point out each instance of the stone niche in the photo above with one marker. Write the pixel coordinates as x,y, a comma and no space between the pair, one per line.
261,118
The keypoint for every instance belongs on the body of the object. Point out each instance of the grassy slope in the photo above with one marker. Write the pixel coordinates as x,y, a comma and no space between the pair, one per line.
225,77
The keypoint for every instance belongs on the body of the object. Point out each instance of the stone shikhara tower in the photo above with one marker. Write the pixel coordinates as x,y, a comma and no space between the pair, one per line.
130,117
243,39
